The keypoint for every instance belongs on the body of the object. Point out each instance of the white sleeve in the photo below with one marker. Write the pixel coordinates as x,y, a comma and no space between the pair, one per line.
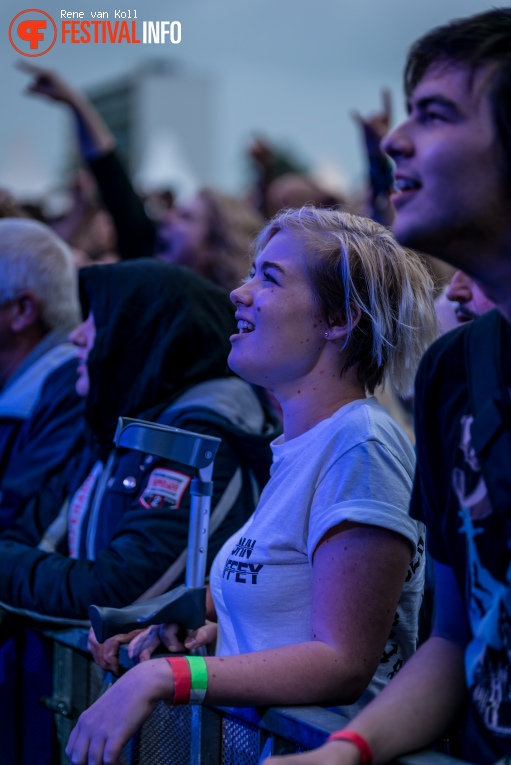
368,484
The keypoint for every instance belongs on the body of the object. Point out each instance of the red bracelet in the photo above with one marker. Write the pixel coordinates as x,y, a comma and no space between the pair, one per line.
366,755
182,679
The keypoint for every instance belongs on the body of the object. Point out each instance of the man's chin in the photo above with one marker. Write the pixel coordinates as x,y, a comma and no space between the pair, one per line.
416,236
404,231
424,234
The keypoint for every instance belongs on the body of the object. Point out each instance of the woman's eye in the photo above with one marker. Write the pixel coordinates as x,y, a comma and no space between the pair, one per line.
264,276
250,276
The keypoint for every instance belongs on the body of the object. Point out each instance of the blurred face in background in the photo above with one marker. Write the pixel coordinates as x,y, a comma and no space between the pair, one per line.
83,338
462,300
184,237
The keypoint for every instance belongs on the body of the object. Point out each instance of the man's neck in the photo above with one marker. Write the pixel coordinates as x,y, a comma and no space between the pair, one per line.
12,358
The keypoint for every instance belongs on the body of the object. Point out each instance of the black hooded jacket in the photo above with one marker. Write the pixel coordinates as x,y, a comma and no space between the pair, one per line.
159,329
111,524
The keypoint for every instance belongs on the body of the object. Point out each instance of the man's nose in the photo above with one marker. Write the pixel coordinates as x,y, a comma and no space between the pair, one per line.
398,142
460,288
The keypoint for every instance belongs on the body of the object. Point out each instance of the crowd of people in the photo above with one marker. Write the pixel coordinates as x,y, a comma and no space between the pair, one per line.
278,323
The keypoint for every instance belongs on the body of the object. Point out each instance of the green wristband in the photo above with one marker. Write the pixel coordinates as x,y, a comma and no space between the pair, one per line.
199,676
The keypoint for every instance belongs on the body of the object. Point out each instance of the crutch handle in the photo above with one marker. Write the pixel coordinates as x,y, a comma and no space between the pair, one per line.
183,605
193,449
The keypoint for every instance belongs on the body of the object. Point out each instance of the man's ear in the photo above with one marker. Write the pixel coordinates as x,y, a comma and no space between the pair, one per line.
25,311
338,328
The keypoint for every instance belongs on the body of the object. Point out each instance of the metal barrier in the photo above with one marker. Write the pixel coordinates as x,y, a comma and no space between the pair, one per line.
193,735
182,735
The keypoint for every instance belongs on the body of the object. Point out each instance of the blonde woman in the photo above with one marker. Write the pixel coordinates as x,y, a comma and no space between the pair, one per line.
330,565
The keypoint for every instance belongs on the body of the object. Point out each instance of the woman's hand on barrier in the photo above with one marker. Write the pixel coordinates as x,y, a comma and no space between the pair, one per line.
104,728
106,655
145,644
203,636
333,753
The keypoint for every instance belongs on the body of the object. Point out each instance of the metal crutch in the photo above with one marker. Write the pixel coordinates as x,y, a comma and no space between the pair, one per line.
186,604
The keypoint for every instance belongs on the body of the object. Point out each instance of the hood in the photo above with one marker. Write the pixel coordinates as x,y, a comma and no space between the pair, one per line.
160,329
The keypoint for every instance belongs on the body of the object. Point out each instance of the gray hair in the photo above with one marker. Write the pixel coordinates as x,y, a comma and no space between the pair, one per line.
358,270
33,257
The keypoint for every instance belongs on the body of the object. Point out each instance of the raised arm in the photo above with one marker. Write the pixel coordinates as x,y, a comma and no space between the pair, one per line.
135,230
373,129
94,135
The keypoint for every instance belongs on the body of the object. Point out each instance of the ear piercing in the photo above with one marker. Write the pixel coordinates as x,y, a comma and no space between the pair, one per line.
326,334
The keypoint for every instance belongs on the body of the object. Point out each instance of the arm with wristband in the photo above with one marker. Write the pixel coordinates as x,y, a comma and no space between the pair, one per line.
334,666
424,697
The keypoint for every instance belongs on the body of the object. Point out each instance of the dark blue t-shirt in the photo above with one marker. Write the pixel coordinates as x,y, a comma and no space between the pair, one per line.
466,532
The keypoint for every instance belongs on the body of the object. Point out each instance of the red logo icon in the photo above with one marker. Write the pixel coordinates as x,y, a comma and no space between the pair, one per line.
35,32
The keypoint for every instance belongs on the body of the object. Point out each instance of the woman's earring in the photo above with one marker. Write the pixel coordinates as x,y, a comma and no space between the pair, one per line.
326,334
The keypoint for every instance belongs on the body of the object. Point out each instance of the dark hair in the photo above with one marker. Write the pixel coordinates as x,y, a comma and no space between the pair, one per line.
472,42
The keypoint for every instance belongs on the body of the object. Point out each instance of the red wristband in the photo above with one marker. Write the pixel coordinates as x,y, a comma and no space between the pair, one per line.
366,755
182,679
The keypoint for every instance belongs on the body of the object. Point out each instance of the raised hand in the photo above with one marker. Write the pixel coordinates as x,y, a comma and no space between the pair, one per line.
376,126
46,82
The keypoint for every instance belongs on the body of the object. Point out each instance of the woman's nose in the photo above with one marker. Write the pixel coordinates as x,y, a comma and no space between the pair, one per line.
241,295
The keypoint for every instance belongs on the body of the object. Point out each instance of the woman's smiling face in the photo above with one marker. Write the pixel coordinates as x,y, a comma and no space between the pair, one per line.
280,335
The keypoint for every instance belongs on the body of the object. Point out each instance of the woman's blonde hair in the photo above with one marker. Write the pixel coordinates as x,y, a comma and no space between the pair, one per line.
359,271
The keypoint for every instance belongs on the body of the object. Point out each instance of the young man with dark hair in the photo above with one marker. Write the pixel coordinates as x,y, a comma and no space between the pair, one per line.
453,199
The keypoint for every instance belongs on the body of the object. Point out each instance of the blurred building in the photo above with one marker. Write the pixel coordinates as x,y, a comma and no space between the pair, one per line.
162,118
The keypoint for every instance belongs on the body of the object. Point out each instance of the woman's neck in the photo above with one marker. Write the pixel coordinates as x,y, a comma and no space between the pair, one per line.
309,405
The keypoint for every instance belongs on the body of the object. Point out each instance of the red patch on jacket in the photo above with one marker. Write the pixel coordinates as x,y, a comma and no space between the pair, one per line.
165,487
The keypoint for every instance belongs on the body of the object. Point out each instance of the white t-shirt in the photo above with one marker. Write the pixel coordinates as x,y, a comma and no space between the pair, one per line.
356,465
